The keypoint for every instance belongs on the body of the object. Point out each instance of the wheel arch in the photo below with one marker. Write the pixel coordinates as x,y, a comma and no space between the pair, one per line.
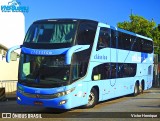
96,87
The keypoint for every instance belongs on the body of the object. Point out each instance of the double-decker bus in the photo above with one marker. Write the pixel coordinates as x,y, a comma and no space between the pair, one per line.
66,63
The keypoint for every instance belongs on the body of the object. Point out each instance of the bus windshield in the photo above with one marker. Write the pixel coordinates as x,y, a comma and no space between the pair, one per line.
51,71
43,71
51,33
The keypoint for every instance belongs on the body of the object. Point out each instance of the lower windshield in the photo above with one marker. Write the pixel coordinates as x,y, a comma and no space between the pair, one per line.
43,71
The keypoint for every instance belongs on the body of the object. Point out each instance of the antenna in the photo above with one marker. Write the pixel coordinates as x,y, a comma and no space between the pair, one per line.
131,12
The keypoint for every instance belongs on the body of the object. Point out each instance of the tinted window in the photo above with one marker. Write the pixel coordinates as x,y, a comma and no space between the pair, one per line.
147,46
101,72
133,43
86,33
124,41
137,45
104,38
113,38
79,65
126,70
133,40
114,70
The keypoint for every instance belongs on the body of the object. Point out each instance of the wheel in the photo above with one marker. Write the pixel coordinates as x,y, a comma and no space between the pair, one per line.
136,90
142,86
92,99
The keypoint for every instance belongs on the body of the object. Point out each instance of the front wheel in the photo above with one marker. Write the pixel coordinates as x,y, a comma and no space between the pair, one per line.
92,99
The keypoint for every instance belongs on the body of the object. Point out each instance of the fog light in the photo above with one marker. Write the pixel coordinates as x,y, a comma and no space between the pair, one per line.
62,102
18,98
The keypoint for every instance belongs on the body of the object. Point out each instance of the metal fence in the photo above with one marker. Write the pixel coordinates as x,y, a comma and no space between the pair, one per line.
156,72
10,87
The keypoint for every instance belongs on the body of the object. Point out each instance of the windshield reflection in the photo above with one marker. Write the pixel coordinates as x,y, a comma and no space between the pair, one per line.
44,70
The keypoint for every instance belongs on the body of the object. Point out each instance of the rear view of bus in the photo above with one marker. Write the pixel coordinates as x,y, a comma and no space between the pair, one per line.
66,63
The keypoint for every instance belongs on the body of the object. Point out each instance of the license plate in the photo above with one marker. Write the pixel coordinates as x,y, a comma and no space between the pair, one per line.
38,103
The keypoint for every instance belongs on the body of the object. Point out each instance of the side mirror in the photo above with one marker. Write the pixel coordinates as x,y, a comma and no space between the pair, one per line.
72,50
8,55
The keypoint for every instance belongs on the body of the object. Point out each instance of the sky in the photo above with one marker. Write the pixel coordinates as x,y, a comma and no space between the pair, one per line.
106,11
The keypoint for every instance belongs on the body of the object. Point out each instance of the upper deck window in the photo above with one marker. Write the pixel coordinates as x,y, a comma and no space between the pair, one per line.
51,33
86,33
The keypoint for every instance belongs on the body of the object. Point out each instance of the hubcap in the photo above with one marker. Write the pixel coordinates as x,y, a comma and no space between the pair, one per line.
136,90
91,99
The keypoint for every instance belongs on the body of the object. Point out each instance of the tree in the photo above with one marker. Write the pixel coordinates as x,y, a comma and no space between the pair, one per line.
156,39
159,27
142,26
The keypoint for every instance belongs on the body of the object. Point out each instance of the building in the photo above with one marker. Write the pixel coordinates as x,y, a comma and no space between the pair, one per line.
12,32
3,51
12,27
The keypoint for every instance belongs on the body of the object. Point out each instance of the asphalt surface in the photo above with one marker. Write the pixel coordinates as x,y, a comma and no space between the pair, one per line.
145,106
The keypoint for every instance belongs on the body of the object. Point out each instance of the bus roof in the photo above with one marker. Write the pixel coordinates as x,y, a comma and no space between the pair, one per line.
65,20
87,20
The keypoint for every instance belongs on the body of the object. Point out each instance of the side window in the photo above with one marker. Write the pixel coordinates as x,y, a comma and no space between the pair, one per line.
137,45
101,72
113,70
124,41
147,46
80,64
104,38
121,38
104,71
120,71
113,38
132,69
86,33
127,42
133,41
126,70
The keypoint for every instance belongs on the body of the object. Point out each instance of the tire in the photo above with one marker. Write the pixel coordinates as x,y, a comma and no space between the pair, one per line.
136,90
92,99
142,86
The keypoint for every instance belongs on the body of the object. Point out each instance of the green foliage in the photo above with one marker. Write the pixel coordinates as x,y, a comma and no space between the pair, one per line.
140,25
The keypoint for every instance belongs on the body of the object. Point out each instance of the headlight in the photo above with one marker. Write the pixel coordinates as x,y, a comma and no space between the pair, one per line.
64,93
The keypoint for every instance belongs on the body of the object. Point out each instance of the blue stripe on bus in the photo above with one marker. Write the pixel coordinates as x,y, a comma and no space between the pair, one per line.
44,52
143,56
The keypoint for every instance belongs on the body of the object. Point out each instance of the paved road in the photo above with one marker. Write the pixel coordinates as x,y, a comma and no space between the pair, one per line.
144,105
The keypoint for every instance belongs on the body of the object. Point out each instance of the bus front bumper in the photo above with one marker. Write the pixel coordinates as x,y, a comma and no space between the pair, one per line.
60,103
